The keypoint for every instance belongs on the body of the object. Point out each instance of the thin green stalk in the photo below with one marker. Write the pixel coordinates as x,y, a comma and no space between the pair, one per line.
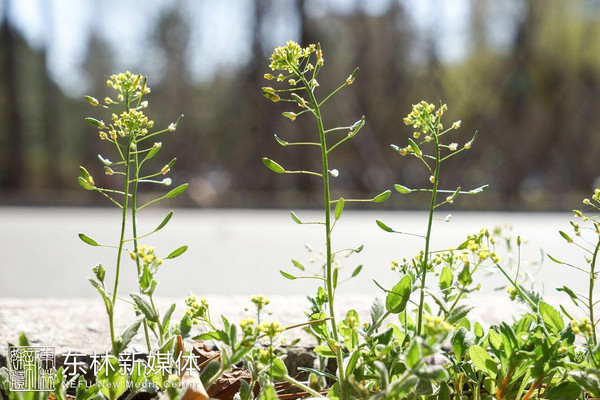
329,256
591,292
120,253
304,387
425,260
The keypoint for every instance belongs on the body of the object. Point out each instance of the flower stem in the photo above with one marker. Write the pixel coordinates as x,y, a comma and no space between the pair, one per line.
425,259
329,255
591,293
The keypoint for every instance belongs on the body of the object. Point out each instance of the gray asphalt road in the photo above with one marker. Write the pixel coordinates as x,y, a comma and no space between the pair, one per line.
239,252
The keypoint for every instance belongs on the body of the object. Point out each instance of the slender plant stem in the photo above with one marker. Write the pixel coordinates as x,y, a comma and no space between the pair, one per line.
120,251
425,259
591,292
302,386
329,255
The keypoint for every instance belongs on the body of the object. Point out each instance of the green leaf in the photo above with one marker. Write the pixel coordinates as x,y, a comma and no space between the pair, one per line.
288,276
459,313
167,318
445,278
144,306
565,391
298,265
415,148
177,252
377,310
551,317
84,184
177,191
88,240
588,380
209,371
273,166
413,355
102,291
339,207
110,378
384,226
295,218
402,189
164,221
397,298
185,326
462,341
324,351
356,271
566,237
571,294
483,361
381,197
268,394
129,333
278,369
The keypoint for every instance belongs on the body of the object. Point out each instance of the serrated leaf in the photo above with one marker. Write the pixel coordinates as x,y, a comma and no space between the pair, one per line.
339,207
287,275
356,271
177,191
397,298
144,306
295,218
88,240
384,226
402,189
551,317
273,166
381,197
177,252
164,221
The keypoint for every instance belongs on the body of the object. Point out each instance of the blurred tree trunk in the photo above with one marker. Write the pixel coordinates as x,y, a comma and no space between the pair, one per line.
14,165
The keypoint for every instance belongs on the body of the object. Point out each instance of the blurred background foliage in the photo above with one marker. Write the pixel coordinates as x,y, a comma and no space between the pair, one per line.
524,73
